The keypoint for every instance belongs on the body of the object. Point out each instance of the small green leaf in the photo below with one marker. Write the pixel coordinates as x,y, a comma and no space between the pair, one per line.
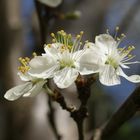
51,3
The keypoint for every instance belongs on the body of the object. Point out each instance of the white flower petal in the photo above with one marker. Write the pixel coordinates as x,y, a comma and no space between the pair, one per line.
16,92
78,54
36,89
53,50
51,3
132,78
105,43
89,62
25,77
38,61
42,67
65,77
46,73
108,76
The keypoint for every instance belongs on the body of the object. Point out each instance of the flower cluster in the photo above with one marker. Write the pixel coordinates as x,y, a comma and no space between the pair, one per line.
66,58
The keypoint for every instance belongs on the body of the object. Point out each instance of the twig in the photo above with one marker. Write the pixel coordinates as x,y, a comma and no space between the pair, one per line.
78,115
42,25
125,23
124,113
83,87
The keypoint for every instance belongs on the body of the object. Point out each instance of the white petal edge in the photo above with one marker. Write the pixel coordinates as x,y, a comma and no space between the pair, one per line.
38,61
46,73
105,43
36,89
16,92
65,77
132,78
24,77
51,3
53,50
108,76
42,67
89,63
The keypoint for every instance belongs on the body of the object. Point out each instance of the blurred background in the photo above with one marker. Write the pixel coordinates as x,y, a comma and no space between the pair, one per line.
27,118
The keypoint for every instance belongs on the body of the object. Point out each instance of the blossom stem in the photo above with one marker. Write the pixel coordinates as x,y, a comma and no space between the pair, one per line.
83,87
78,115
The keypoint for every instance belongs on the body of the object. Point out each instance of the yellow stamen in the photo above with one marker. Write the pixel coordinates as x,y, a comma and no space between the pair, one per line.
49,45
78,36
24,64
117,28
34,54
81,33
52,34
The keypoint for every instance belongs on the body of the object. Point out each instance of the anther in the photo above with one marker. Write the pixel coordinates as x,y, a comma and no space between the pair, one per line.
34,54
118,39
81,33
123,35
52,34
27,59
49,45
20,58
117,28
78,36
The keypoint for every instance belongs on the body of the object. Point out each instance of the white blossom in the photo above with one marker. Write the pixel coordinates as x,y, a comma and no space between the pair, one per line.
111,59
31,88
62,61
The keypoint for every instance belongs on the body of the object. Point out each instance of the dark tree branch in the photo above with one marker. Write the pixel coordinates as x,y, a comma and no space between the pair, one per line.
124,113
78,115
42,25
128,18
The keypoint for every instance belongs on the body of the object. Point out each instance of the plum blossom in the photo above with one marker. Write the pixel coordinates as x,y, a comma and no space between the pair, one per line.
63,60
31,87
111,59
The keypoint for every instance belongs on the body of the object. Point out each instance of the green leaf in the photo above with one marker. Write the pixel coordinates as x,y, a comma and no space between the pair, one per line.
51,3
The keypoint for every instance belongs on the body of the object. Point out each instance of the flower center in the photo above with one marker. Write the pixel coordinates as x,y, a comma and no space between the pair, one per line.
66,63
111,61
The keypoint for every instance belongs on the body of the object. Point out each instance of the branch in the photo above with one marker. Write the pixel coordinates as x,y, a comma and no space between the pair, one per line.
124,113
126,22
78,115
42,24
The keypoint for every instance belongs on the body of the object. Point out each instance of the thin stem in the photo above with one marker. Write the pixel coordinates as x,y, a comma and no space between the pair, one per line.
80,130
79,116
